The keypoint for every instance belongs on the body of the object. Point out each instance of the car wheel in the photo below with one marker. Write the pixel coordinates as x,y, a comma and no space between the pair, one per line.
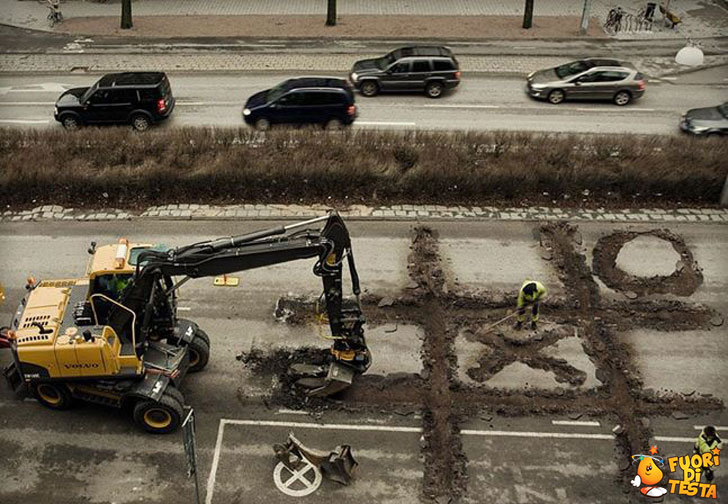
434,89
140,122
622,98
334,125
369,88
556,96
70,122
53,396
262,124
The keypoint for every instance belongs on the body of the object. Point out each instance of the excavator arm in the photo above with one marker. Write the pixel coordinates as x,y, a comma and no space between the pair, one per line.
330,245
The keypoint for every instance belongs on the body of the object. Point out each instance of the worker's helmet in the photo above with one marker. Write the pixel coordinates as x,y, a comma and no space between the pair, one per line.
530,288
709,431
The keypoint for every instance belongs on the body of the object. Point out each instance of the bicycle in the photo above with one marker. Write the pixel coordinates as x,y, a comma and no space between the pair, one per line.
614,20
54,15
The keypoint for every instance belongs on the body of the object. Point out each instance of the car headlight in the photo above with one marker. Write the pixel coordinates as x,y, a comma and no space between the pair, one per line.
246,111
55,110
537,86
530,75
698,129
354,76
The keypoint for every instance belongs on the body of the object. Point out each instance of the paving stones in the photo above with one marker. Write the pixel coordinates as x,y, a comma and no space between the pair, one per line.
248,211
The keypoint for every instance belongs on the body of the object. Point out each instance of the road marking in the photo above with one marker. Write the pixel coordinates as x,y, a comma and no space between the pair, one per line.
465,106
668,78
24,103
183,308
675,439
383,123
292,412
717,427
210,103
625,109
24,121
585,423
392,428
215,462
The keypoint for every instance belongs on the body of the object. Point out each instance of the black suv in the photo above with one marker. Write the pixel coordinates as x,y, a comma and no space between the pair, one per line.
431,69
303,100
136,98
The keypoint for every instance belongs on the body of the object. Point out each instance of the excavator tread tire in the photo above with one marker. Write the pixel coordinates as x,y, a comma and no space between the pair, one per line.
160,417
53,395
202,334
199,349
176,393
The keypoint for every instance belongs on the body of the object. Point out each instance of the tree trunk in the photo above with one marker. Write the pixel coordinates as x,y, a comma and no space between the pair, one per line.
528,14
331,13
126,14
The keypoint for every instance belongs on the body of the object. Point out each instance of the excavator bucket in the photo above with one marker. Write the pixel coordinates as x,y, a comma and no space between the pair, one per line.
338,378
340,465
337,465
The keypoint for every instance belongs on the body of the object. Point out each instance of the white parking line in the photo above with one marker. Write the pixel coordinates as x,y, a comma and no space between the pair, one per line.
292,412
24,121
717,427
183,308
393,428
584,423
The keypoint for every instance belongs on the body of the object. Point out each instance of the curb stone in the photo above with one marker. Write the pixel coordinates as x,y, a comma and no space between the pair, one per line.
361,212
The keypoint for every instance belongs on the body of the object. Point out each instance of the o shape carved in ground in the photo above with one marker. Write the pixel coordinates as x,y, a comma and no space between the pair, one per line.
686,278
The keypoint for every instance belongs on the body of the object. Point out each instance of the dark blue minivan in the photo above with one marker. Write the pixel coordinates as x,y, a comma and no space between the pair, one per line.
328,101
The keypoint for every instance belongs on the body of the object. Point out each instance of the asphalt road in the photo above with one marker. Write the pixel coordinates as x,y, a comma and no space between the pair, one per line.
481,103
91,454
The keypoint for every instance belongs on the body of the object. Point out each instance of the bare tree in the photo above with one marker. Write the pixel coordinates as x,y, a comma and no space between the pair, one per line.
528,14
126,14
331,13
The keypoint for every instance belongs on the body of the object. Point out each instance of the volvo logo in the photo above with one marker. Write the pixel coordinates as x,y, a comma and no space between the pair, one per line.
81,365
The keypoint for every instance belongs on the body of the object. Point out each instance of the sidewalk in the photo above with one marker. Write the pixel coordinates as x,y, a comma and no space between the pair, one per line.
654,67
475,19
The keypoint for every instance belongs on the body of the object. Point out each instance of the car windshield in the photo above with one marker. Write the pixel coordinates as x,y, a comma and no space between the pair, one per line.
386,60
276,92
723,109
89,92
572,68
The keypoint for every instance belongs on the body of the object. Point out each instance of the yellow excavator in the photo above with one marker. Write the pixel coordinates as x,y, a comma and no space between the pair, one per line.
114,337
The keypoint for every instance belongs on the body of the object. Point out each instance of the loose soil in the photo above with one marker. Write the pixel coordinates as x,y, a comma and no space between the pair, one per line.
686,278
445,402
348,26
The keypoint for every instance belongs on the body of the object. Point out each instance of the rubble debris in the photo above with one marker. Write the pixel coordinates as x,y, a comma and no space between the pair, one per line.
385,301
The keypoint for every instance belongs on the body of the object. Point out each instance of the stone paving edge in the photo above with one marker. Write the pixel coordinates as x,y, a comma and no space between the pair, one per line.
362,212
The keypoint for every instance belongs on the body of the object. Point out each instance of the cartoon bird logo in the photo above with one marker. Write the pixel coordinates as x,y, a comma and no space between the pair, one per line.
649,474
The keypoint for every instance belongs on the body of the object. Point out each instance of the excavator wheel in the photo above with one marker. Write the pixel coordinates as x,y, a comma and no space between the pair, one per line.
159,417
176,393
199,349
53,396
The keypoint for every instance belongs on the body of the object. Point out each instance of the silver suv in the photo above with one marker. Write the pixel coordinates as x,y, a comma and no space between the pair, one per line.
588,79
